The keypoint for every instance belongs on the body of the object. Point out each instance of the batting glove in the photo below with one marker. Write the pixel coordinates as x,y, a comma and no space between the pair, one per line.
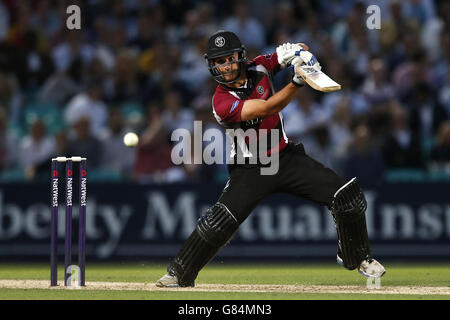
308,59
297,79
286,52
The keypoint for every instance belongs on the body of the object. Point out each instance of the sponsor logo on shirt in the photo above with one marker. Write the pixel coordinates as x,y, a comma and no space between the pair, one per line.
235,104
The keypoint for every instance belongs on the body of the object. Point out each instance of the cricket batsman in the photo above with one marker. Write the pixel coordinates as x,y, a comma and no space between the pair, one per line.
245,100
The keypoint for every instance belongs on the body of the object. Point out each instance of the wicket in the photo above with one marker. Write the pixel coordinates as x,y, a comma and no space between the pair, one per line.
68,227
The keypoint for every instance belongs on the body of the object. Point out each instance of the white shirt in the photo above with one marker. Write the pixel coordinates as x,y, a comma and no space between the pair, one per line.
82,105
33,152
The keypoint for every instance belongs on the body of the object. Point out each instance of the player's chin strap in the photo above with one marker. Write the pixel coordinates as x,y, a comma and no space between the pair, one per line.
348,208
214,229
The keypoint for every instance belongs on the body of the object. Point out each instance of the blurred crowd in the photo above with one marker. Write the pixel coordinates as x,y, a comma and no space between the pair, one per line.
137,65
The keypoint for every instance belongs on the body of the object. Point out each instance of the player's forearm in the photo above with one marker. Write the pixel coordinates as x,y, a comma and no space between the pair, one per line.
281,99
262,108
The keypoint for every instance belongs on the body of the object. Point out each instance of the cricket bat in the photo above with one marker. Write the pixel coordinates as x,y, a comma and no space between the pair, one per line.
317,79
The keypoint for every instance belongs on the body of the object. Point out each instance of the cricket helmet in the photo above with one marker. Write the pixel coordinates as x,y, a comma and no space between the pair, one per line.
224,43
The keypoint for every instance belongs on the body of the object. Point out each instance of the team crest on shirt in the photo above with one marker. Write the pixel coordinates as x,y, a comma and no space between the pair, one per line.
260,90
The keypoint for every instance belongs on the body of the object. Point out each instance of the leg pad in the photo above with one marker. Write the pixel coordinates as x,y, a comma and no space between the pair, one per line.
348,208
214,229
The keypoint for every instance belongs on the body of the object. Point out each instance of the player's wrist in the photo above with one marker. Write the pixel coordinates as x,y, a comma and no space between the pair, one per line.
297,83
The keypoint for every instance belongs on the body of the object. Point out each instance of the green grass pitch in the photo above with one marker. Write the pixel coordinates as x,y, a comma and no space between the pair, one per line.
430,275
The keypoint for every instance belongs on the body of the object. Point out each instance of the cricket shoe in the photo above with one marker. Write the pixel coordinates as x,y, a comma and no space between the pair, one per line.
369,268
168,281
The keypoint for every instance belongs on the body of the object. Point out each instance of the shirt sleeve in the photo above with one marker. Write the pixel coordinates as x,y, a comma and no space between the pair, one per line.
227,108
269,61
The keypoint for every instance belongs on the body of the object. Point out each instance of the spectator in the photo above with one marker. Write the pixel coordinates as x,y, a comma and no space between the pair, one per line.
60,87
11,98
115,155
339,130
175,116
318,145
402,147
153,158
126,83
46,18
303,115
376,87
392,27
88,103
364,159
413,70
444,96
8,143
36,149
426,113
342,74
283,20
419,11
441,68
193,66
440,153
4,21
72,48
61,143
433,29
83,144
248,29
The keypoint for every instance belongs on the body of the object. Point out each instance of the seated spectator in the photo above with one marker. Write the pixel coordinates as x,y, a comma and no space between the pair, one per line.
83,144
60,87
441,67
248,29
426,114
440,153
376,87
36,150
153,158
402,146
419,11
126,82
411,73
115,154
339,129
8,143
444,96
302,115
363,159
88,104
72,48
11,99
192,65
175,115
318,145
342,74
61,143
